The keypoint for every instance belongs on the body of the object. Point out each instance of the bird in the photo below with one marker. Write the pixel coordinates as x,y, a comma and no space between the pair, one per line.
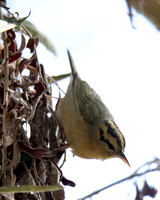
89,127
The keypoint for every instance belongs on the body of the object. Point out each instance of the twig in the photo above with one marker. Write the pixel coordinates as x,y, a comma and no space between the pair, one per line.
135,174
5,99
27,32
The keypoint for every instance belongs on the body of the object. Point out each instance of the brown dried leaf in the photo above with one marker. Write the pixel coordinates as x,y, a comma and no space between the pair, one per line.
67,182
26,62
41,171
14,53
30,180
11,128
54,174
39,124
14,56
12,47
23,64
32,43
148,190
16,156
36,41
34,60
23,179
33,70
23,43
36,153
49,99
39,88
11,104
52,133
58,195
15,104
11,35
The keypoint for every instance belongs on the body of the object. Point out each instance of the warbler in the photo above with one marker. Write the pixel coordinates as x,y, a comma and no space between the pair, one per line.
88,125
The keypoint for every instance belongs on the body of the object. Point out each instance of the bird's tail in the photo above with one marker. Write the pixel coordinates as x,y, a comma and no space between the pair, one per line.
73,68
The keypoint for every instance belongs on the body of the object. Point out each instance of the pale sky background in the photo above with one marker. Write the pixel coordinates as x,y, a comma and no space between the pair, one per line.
122,65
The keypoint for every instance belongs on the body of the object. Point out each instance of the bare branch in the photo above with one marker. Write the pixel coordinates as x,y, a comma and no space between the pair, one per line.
135,174
5,99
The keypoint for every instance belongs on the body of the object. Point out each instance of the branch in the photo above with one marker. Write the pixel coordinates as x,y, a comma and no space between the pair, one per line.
135,174
5,97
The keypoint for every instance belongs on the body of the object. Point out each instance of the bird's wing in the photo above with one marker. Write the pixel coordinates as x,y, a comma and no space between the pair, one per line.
89,104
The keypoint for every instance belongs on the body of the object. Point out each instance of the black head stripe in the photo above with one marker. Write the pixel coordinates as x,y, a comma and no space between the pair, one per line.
110,146
114,131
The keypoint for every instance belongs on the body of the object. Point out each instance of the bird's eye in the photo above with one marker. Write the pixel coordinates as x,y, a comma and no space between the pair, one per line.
102,138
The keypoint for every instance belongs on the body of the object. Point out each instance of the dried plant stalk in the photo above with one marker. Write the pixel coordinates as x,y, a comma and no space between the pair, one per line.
28,156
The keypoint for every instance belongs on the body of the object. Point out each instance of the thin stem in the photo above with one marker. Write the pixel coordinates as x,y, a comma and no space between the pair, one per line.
135,174
5,97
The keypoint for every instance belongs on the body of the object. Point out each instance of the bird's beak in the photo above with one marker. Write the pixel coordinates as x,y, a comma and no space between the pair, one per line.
123,157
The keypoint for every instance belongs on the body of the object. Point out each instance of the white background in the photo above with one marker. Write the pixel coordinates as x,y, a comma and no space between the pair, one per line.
122,65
